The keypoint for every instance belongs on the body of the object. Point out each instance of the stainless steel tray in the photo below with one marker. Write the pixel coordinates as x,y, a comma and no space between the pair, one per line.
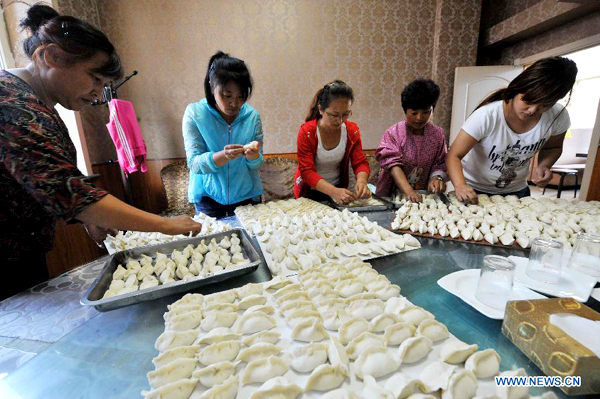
93,296
371,208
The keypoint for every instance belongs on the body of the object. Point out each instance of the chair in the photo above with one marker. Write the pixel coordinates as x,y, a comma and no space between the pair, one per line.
175,179
277,176
563,172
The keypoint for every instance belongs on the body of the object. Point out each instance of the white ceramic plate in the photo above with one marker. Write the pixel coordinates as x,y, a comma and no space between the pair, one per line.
464,282
572,284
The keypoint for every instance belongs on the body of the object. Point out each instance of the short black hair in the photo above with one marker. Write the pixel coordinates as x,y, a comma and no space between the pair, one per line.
222,69
420,94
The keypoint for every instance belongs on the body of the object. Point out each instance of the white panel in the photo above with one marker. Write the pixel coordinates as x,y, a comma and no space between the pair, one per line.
472,85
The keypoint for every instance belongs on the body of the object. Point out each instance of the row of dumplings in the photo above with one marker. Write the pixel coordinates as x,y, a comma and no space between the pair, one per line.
206,358
133,239
191,262
309,234
364,202
494,222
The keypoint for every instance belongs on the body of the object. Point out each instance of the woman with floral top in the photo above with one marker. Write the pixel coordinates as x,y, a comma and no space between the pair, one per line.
71,61
412,153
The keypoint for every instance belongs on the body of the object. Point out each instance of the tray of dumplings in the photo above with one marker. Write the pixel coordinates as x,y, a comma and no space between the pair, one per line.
372,204
143,274
336,331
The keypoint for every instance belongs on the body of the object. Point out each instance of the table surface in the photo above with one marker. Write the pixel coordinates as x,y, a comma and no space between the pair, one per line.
109,355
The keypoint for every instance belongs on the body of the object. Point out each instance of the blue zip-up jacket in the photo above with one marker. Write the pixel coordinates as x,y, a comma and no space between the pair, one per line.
206,132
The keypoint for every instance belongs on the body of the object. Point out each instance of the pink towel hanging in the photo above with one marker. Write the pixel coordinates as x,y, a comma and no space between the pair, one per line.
125,132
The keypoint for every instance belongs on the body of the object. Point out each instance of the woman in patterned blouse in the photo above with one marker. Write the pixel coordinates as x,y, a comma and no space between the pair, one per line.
412,153
71,61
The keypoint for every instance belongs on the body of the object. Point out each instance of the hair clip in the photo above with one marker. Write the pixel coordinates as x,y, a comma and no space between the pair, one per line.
64,26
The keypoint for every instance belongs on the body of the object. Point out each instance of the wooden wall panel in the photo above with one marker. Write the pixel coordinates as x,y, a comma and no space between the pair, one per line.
594,188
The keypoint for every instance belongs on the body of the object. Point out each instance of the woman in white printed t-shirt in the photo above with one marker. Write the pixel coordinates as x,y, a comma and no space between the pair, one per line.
491,153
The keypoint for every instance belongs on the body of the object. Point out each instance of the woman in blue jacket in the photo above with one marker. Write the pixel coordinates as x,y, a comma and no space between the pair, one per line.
223,140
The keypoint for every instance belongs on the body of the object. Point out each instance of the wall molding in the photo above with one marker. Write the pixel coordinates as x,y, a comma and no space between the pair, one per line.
577,45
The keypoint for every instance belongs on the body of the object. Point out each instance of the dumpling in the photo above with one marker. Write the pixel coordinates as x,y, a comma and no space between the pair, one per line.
277,282
333,319
388,291
251,300
249,289
349,287
217,335
366,308
250,323
186,321
220,297
484,364
173,339
436,376
287,289
326,377
415,315
432,329
227,390
332,304
362,342
373,390
217,319
340,393
221,307
352,328
463,384
270,337
176,370
376,361
396,305
379,323
398,333
278,387
455,352
215,374
258,351
306,358
293,296
219,352
337,354
264,369
402,386
513,392
176,353
178,389
309,331
414,349
302,315
266,309
291,307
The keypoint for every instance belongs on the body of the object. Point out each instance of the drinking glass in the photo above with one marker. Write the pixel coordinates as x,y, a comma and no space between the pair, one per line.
586,254
545,260
495,281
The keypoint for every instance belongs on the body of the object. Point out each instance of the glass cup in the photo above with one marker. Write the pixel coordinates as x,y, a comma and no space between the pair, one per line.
586,254
495,281
545,260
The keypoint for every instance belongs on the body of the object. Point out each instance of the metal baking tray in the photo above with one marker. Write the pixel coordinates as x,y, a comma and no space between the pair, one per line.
371,208
93,296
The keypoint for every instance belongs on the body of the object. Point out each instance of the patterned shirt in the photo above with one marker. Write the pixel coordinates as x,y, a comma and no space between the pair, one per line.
420,157
39,179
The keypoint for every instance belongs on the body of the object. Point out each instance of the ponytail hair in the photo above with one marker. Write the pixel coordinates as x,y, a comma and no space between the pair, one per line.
545,82
222,69
333,90
78,40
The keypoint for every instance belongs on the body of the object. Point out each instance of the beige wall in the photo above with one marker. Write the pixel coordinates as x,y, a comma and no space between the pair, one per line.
292,48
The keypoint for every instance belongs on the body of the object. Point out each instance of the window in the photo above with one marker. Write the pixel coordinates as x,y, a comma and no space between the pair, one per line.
6,57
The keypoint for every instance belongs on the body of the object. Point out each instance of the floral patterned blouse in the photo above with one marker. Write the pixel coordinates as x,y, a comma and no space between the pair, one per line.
39,179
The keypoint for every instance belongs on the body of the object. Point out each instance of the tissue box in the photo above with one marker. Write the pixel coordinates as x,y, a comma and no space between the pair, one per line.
526,324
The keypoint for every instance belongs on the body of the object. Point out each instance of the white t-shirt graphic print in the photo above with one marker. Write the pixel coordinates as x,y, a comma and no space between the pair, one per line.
499,162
